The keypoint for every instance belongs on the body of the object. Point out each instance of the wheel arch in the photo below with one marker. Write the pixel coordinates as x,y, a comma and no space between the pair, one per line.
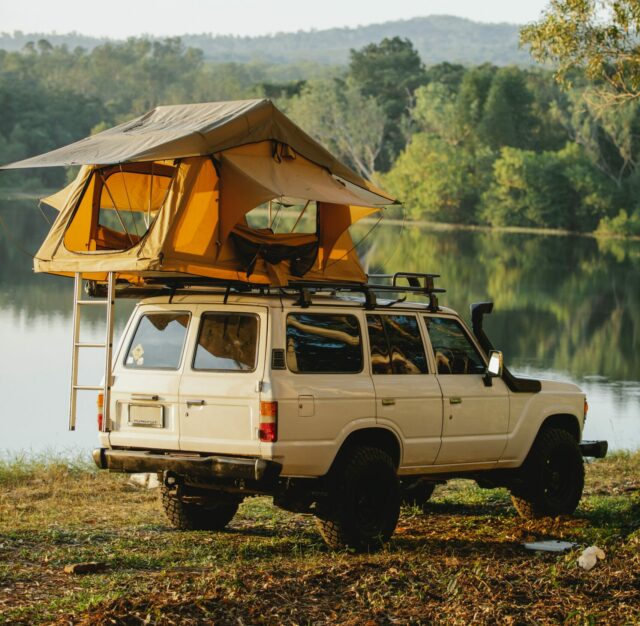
563,421
377,437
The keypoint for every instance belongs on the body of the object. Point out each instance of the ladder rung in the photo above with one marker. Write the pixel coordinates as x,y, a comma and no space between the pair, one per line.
90,345
92,302
88,387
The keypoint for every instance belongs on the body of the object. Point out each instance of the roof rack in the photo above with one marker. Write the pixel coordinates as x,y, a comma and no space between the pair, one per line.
419,284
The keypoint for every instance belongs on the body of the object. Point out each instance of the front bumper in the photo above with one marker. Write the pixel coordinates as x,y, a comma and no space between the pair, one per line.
596,449
208,467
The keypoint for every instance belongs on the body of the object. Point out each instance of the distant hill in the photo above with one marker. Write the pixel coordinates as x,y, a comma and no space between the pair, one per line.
437,38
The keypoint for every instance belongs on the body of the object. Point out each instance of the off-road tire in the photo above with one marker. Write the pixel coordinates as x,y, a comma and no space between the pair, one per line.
417,494
552,477
214,515
362,508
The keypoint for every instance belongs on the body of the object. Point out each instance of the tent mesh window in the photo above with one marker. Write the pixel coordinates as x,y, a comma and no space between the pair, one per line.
118,206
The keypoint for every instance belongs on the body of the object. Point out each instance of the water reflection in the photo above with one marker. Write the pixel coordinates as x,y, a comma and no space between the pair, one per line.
565,307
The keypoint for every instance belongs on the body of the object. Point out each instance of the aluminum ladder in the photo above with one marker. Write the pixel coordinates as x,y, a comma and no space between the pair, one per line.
107,346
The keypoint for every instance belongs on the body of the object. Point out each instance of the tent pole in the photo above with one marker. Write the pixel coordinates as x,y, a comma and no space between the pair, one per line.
115,208
301,214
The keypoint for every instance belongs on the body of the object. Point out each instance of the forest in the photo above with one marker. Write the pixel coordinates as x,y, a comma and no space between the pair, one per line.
436,38
477,145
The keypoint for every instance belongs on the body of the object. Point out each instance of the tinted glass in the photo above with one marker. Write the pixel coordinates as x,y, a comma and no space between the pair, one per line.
454,352
380,359
227,342
323,343
407,352
158,341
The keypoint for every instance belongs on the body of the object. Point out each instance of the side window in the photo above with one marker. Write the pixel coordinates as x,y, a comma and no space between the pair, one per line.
323,343
158,341
227,342
454,352
396,345
379,346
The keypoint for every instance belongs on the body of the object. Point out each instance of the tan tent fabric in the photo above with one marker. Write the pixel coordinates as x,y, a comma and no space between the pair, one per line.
184,236
179,131
60,198
186,216
334,221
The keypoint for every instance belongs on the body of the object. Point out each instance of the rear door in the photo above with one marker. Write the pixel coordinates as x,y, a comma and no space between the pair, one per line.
144,395
219,389
408,396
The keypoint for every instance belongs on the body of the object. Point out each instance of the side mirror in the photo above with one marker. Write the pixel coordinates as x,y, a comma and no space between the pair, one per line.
494,369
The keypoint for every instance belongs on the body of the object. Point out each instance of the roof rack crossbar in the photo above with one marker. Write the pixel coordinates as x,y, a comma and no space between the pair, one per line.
417,283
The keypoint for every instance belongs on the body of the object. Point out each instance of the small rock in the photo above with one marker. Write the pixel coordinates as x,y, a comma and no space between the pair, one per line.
588,559
85,568
146,481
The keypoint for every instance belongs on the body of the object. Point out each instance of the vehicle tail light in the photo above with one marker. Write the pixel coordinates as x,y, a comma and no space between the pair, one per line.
268,430
100,405
586,408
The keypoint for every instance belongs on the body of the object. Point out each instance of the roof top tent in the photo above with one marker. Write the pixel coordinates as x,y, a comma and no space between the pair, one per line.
167,194
165,197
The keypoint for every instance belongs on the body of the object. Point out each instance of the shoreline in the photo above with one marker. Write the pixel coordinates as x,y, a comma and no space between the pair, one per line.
20,194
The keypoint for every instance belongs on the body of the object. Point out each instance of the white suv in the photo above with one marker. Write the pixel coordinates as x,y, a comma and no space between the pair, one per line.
335,405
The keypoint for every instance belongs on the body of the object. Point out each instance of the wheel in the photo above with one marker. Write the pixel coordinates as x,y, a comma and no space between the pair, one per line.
214,515
417,493
363,505
552,476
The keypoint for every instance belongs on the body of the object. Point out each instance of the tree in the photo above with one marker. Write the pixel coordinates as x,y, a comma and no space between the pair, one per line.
597,36
390,72
437,180
507,119
530,189
472,96
552,189
348,123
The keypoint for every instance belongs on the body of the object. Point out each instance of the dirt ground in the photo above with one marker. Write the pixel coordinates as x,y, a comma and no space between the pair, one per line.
459,562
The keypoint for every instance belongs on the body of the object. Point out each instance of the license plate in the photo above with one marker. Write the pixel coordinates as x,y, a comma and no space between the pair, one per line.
146,415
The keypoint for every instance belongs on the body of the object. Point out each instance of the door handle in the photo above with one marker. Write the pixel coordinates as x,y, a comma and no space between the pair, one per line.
195,403
144,396
388,401
455,400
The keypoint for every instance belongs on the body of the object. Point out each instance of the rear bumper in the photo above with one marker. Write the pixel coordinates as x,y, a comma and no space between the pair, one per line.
259,471
597,449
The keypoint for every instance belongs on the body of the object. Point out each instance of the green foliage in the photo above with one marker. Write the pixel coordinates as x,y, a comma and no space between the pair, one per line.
529,189
599,36
341,117
507,147
507,119
390,72
436,180
623,224
546,190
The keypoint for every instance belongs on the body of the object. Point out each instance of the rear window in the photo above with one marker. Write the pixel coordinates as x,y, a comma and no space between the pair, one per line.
227,342
158,341
323,343
396,345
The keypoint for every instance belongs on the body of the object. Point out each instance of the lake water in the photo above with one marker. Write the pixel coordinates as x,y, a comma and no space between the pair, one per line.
566,308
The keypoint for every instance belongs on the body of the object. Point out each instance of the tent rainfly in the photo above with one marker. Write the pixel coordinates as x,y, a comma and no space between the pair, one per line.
167,195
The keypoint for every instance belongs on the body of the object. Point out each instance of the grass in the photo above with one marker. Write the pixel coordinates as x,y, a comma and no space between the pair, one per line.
460,563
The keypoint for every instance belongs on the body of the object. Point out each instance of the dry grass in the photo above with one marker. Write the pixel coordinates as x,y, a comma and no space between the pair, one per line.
461,563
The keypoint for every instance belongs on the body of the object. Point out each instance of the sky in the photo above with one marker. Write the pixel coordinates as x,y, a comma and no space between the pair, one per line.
123,18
